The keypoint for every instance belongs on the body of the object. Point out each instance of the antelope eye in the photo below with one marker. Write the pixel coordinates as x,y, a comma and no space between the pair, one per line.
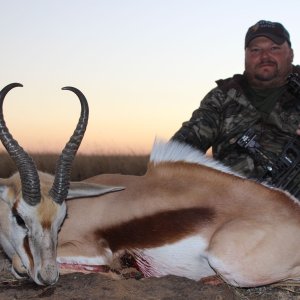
20,220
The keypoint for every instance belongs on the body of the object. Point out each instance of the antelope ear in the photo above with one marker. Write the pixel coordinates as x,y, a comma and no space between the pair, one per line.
84,189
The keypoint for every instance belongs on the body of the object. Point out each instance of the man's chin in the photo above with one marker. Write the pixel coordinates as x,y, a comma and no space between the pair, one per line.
263,82
266,76
267,73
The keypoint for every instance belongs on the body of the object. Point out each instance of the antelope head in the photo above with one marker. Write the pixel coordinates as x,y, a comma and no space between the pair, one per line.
32,206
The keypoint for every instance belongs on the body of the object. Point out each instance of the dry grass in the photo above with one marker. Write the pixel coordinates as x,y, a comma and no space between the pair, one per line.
84,166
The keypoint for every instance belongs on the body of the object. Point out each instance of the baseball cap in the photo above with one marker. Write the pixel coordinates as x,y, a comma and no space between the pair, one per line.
272,30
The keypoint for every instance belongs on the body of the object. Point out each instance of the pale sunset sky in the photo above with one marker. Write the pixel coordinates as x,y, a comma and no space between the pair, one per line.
143,65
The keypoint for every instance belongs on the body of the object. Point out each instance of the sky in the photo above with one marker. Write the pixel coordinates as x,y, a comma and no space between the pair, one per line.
143,65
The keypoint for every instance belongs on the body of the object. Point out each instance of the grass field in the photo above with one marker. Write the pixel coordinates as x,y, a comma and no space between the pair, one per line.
84,166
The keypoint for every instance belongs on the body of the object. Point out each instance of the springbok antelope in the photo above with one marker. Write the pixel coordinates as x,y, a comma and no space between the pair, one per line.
188,216
32,203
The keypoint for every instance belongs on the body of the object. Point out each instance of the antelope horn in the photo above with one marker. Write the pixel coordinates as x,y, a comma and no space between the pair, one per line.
60,187
25,165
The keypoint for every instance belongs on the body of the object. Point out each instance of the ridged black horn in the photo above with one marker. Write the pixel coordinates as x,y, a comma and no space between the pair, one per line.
59,190
25,165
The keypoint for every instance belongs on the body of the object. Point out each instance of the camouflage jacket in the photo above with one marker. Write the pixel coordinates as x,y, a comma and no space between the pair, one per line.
226,113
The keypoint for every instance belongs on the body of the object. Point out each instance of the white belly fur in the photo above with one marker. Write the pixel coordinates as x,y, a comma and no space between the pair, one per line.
186,258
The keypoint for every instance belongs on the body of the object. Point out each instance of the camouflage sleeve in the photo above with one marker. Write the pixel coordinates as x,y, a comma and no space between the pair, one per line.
204,126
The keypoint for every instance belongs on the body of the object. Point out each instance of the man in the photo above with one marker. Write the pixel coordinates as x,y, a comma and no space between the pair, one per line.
257,105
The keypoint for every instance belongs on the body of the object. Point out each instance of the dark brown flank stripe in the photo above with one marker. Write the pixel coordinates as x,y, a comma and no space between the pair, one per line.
156,230
28,251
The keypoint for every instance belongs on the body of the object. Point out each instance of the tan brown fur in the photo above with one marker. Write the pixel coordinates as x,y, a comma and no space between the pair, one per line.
236,222
47,208
46,212
242,221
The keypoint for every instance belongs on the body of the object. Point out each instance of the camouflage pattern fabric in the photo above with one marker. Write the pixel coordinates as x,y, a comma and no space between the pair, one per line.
226,113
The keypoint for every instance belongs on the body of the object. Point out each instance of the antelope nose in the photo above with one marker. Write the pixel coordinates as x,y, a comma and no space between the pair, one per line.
47,279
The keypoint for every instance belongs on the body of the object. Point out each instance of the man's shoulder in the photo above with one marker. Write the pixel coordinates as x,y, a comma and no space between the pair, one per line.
228,92
234,82
296,69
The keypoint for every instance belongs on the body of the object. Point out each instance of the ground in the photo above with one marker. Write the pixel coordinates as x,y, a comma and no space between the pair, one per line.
99,286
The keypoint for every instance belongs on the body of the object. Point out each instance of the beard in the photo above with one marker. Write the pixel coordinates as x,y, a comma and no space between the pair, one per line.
266,75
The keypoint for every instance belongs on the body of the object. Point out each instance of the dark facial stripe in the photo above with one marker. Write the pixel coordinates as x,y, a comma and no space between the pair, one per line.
46,224
15,207
156,230
28,251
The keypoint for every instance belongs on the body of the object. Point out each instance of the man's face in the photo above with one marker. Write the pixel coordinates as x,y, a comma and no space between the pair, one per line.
267,64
